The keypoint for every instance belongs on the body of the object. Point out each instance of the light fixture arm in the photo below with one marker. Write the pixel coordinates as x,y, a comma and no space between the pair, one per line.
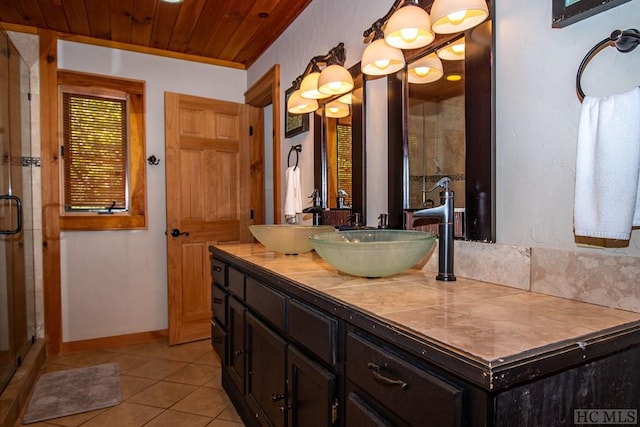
376,27
337,55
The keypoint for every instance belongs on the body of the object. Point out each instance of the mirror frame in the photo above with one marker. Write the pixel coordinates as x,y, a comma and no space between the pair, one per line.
358,152
479,135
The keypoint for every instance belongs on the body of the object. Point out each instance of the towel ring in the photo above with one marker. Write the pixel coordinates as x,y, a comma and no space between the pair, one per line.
625,41
297,149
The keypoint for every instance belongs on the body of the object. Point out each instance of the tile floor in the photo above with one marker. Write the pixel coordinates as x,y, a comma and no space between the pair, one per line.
175,386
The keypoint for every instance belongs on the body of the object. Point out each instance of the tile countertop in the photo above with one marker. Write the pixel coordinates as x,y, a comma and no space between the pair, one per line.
487,323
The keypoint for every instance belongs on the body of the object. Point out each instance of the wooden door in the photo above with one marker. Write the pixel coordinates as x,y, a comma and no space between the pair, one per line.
208,158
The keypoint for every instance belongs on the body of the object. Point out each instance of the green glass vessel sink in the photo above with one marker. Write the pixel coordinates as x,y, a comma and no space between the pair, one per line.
288,239
373,253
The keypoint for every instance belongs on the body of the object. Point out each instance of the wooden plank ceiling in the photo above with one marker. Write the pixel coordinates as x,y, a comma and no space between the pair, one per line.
227,32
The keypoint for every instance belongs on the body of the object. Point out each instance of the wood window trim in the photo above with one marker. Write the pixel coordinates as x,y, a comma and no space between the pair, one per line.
136,217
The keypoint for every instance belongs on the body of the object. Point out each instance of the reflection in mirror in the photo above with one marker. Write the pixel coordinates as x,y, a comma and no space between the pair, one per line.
436,133
445,128
339,142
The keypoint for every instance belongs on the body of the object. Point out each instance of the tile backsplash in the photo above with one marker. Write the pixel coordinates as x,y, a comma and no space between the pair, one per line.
607,280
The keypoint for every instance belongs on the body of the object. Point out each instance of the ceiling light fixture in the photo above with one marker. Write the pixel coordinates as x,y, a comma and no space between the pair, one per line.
314,83
408,26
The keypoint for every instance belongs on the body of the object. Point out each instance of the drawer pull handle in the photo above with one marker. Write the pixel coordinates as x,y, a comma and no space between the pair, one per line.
217,300
238,352
217,340
375,371
276,397
285,408
217,268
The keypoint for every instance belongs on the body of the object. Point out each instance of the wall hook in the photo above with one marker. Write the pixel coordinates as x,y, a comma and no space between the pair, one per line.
153,160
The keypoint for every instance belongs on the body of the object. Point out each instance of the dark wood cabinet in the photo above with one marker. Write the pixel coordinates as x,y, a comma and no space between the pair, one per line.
266,357
296,357
395,381
271,381
311,397
359,413
236,345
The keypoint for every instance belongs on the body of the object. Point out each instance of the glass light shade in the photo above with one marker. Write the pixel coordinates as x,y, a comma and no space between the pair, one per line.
336,110
425,70
409,28
453,52
453,16
335,80
347,98
299,105
309,87
380,59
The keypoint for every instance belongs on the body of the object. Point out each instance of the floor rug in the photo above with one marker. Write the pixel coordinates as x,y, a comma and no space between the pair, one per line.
62,393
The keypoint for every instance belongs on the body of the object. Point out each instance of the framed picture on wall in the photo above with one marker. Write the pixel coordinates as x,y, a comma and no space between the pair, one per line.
294,124
567,12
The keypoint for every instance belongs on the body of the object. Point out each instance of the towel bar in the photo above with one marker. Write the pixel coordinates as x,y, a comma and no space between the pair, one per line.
297,149
624,41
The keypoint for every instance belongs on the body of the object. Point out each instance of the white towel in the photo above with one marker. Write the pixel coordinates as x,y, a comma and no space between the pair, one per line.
607,198
293,194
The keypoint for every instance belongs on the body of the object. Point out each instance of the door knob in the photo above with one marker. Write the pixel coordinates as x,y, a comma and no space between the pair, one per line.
176,232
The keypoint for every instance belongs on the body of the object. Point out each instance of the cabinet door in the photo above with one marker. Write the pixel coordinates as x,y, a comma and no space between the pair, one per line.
311,392
236,347
358,413
266,353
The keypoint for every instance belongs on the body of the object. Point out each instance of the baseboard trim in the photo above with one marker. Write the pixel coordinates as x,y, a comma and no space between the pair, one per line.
114,341
15,395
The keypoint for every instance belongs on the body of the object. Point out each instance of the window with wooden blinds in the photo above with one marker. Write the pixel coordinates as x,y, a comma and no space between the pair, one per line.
102,142
95,153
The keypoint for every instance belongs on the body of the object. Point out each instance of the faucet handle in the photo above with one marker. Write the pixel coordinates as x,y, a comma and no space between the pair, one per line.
443,182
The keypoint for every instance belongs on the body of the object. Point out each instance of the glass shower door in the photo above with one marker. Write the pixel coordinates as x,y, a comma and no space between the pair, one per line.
17,317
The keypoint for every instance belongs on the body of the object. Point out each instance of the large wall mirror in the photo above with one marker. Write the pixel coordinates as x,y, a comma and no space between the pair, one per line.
339,167
445,128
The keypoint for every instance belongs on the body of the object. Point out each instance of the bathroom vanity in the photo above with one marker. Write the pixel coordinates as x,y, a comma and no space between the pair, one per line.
304,345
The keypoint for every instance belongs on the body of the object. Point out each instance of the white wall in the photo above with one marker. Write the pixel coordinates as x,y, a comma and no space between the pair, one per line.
538,113
115,282
322,25
536,106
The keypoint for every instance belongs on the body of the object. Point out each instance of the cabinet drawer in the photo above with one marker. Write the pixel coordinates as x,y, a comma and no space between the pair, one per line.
267,303
218,340
235,282
314,330
219,305
415,395
218,272
358,413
